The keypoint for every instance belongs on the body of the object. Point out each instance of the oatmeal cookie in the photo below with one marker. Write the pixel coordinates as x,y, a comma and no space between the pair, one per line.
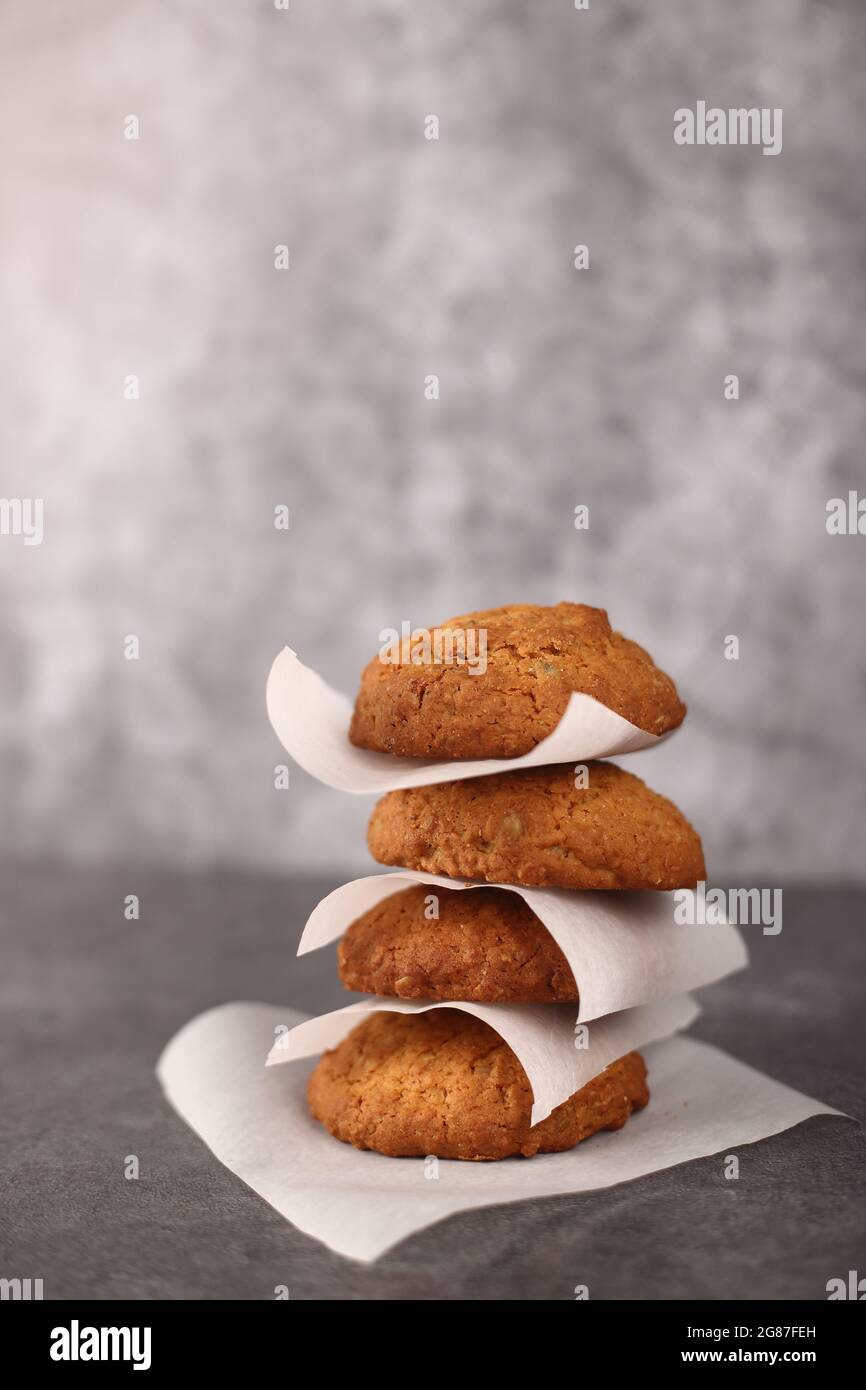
444,1083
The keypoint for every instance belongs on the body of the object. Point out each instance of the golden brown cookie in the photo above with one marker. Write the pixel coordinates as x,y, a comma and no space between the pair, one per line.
485,944
535,658
444,1083
534,826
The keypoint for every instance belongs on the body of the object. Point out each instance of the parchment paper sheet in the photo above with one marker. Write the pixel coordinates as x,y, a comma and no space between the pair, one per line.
541,1035
255,1120
312,723
623,948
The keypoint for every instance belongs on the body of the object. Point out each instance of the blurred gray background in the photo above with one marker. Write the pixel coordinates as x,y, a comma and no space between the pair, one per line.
305,387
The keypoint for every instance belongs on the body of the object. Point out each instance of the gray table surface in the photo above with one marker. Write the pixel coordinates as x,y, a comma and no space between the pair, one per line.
88,1000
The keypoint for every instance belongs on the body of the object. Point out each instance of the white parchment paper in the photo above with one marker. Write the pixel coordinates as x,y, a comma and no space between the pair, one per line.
623,948
255,1120
311,720
557,1062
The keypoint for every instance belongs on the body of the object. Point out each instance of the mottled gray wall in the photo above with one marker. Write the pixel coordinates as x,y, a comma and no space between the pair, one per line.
558,387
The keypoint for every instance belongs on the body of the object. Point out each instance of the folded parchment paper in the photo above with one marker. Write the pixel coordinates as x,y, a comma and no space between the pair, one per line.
312,723
557,1059
623,948
255,1120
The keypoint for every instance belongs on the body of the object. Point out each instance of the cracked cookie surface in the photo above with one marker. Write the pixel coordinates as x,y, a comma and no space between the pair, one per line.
486,945
444,1083
535,658
534,826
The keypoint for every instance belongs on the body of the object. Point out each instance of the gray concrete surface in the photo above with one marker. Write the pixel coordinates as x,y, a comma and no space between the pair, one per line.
87,1001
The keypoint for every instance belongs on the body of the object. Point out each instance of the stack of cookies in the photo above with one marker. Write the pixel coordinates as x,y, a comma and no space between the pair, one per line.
443,1082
